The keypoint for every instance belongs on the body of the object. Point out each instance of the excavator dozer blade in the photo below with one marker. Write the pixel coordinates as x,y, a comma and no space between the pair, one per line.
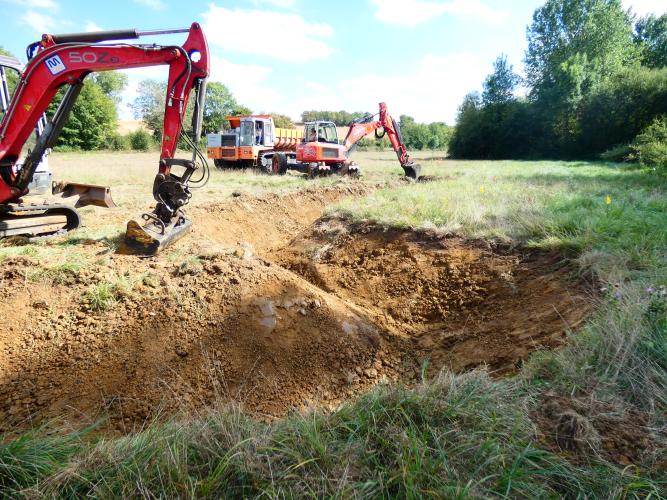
89,194
413,171
153,235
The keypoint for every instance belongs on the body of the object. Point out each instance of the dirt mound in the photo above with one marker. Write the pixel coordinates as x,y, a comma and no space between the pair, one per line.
269,221
231,326
460,304
312,315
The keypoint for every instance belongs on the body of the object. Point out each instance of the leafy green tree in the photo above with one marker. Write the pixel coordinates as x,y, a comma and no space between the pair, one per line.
593,35
574,47
500,85
149,105
419,136
150,102
241,110
92,118
112,83
621,109
340,118
140,140
651,37
589,93
467,140
219,103
282,121
651,144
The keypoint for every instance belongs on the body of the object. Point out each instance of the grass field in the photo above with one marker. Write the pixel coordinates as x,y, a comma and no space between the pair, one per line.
455,436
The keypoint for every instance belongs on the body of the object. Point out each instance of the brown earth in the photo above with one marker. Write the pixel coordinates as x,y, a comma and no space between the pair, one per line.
582,428
268,305
460,304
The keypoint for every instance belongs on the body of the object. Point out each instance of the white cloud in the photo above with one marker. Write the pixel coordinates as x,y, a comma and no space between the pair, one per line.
35,4
277,3
288,37
153,4
248,82
645,7
414,12
40,23
431,92
91,26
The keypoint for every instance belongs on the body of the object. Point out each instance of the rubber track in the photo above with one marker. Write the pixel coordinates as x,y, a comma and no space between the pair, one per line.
44,209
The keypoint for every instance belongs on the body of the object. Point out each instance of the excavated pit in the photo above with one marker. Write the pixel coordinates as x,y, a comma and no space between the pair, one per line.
460,304
286,312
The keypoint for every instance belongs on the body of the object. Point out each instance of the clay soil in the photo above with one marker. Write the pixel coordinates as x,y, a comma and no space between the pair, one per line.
270,305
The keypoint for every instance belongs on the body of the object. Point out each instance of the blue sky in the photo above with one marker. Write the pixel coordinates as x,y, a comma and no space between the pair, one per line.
419,56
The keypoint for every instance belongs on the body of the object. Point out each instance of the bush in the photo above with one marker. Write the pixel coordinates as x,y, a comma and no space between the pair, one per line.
116,142
618,154
65,148
141,140
651,145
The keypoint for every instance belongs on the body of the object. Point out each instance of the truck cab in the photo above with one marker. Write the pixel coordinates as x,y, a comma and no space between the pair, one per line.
241,145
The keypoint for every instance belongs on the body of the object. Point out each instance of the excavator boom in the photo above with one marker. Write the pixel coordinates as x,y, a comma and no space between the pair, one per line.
64,61
367,125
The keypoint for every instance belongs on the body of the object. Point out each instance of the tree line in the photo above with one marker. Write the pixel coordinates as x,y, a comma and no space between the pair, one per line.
416,136
596,87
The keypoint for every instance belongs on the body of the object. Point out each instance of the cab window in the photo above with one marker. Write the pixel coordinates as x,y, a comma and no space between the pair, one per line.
328,133
8,81
247,133
311,133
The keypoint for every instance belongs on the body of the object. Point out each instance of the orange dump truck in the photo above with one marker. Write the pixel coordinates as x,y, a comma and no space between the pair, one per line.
250,142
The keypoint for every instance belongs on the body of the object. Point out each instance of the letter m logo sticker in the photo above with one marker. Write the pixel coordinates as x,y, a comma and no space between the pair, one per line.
55,65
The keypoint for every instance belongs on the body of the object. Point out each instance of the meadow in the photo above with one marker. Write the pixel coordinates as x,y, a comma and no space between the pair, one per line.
452,435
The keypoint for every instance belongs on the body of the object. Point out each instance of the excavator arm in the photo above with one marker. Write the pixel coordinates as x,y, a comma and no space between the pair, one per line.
65,60
367,124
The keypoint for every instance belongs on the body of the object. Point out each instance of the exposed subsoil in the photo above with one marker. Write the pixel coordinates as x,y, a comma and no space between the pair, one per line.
274,307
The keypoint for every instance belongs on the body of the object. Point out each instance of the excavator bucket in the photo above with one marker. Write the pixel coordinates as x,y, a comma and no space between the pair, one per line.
89,194
412,171
153,235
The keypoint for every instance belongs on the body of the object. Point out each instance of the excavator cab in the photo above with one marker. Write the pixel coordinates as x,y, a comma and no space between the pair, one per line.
10,72
321,131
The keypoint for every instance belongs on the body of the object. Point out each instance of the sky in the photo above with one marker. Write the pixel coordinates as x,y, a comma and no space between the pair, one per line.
419,56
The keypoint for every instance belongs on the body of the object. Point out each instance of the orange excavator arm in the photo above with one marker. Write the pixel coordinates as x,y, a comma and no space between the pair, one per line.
366,125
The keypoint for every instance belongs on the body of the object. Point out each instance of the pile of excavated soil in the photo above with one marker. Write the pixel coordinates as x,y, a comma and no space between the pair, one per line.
273,309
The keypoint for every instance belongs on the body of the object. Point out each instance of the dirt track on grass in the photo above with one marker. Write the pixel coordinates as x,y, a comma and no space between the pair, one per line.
270,305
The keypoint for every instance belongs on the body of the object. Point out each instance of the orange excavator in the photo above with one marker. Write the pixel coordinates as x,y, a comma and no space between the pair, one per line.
321,153
64,61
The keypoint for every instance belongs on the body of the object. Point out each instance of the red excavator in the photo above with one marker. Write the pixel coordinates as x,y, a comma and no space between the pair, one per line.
64,61
320,152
